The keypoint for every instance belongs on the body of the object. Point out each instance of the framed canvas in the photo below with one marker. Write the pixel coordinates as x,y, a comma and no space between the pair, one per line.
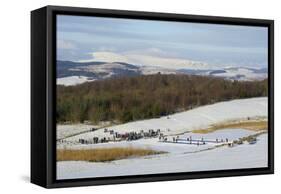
125,96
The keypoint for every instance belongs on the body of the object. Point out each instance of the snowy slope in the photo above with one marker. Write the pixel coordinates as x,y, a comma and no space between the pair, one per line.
179,157
197,118
231,73
241,74
242,156
73,73
153,143
64,131
73,80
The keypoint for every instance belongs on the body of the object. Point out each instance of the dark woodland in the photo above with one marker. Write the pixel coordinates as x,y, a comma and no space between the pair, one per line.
127,99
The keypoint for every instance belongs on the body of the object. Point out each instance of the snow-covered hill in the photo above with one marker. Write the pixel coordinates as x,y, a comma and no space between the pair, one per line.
198,118
73,73
241,73
243,156
232,73
179,157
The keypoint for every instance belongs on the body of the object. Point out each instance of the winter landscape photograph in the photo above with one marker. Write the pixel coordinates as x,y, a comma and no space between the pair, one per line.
140,97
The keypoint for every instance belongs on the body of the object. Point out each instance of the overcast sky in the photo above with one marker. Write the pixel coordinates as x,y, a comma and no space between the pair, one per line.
81,38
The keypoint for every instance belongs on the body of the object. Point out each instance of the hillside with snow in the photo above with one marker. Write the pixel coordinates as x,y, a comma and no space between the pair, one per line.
73,73
244,156
179,157
197,118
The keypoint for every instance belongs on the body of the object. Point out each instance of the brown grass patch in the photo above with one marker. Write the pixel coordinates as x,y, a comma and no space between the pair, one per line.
103,154
249,125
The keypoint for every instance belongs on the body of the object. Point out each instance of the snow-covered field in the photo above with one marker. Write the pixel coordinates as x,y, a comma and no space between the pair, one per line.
64,131
242,156
72,80
241,74
197,118
180,157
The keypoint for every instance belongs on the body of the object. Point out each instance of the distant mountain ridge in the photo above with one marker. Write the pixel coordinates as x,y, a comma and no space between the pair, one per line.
72,73
69,68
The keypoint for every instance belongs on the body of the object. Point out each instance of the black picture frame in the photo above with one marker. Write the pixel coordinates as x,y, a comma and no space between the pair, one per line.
43,95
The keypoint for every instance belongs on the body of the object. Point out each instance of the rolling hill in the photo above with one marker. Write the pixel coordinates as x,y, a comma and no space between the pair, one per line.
73,73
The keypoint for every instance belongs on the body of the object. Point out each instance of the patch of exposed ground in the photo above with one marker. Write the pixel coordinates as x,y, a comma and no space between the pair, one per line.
103,154
254,125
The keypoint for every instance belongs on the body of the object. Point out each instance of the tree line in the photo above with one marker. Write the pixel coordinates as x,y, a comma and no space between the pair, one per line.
148,96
